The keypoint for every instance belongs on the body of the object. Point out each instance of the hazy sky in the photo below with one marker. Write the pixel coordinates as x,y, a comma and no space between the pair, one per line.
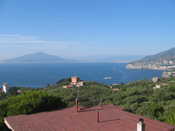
78,28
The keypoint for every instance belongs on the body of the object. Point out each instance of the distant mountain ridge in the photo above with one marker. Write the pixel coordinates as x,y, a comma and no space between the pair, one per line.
109,59
161,61
39,57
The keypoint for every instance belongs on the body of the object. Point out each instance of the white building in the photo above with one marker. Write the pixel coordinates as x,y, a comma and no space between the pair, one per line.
155,79
157,87
5,88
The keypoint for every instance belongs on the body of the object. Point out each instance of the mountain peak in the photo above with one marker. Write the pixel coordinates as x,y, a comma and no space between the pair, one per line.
39,57
37,54
40,53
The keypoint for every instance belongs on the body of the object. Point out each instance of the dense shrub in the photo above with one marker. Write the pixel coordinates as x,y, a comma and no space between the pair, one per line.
29,102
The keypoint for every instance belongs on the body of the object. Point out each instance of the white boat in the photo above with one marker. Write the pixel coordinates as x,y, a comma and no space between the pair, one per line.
108,78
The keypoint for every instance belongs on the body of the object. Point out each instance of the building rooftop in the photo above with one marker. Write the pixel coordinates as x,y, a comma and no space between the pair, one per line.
112,118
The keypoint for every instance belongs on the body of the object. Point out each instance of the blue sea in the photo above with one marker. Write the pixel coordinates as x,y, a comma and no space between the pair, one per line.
40,75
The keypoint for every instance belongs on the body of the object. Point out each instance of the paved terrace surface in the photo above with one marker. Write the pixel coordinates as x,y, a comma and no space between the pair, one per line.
112,118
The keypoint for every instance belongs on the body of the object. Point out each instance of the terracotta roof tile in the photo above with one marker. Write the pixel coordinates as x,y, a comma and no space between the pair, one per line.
112,118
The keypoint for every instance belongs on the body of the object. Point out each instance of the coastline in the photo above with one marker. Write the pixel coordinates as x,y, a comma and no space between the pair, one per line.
150,67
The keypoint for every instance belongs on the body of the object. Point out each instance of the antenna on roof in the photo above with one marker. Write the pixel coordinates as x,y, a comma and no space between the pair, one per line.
101,103
78,92
77,99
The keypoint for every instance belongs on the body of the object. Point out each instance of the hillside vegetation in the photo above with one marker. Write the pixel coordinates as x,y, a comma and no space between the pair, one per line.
137,97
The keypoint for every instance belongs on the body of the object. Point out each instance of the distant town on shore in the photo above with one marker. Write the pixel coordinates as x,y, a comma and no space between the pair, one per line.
161,61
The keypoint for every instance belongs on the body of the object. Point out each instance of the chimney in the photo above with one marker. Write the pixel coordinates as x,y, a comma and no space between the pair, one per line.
77,104
98,116
172,129
140,125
